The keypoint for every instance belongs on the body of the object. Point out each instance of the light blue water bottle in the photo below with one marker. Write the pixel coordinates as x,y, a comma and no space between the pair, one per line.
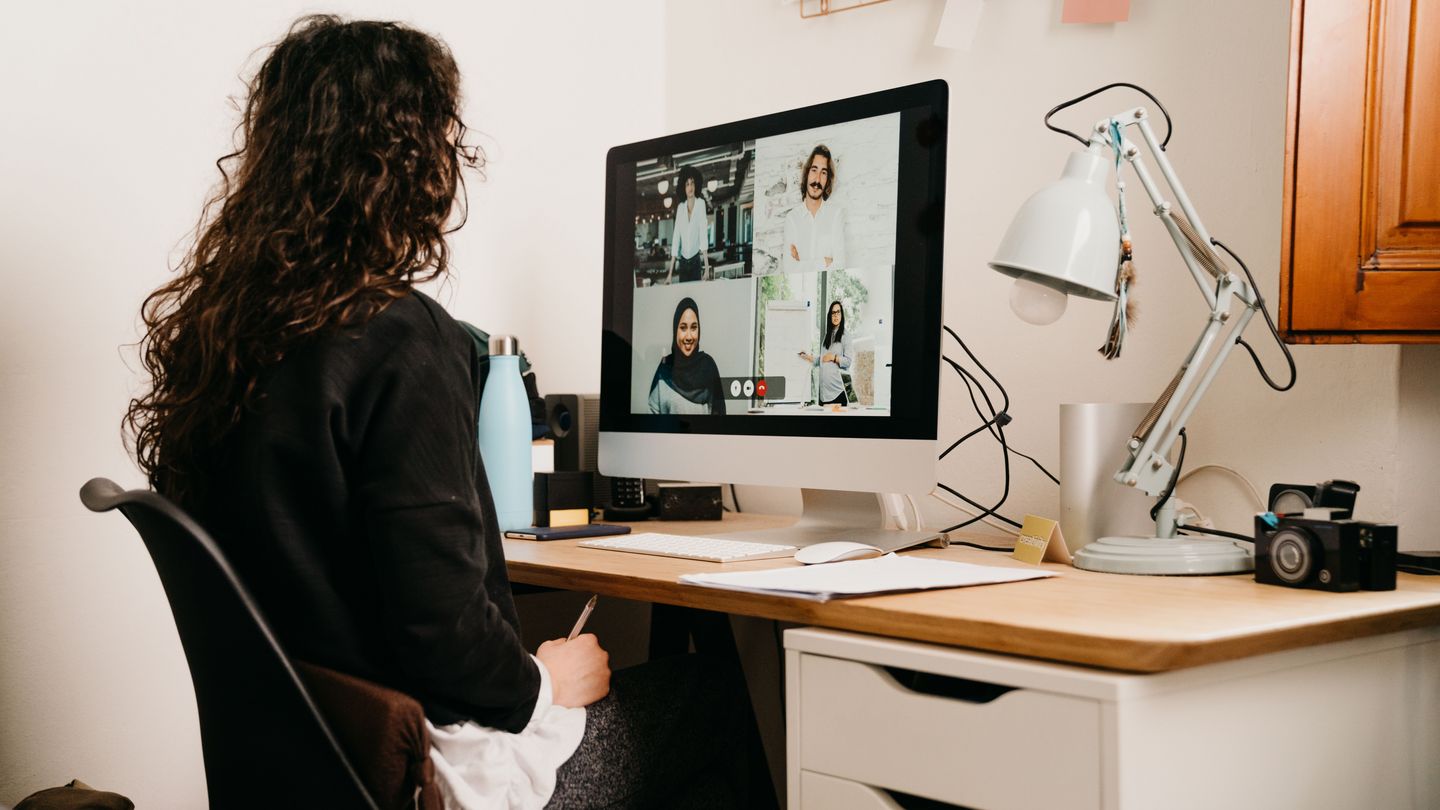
505,436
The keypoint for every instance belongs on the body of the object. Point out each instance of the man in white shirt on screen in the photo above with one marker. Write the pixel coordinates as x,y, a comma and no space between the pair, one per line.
815,229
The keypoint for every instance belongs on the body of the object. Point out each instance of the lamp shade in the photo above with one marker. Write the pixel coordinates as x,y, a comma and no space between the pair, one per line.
1066,235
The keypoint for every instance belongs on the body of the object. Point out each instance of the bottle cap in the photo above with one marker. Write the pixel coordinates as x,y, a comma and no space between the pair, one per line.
504,345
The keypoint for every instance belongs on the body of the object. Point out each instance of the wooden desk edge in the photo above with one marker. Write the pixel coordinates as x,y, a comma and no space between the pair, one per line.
1126,655
549,565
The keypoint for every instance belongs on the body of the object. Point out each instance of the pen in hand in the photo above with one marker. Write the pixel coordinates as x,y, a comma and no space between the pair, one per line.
584,614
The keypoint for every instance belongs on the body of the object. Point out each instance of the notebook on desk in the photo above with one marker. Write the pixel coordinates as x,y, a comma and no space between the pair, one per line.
888,574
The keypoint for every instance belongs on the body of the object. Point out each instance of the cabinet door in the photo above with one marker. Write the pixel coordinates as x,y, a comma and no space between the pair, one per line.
1361,250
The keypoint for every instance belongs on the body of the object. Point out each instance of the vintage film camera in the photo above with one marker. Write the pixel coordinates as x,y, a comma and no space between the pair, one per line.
1328,555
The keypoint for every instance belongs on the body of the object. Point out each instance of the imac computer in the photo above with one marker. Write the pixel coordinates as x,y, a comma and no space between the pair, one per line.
772,309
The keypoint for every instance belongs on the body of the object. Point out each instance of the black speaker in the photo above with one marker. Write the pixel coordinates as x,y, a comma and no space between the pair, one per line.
574,423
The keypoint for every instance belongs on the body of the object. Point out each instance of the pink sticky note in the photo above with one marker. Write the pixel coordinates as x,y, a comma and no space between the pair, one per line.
1095,11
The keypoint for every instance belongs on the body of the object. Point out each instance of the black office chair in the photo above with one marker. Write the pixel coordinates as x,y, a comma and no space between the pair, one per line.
265,742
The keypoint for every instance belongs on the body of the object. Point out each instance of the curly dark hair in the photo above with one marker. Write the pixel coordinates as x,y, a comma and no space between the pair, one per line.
335,202
691,173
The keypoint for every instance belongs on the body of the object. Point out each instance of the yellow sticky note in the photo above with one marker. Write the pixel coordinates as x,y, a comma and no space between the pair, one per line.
1040,540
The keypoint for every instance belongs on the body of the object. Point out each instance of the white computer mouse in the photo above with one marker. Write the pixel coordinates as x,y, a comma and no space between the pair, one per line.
835,551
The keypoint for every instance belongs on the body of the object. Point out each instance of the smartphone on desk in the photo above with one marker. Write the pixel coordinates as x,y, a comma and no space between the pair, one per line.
565,532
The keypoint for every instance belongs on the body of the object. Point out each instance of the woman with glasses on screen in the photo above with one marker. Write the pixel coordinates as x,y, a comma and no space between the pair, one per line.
687,379
834,357
317,414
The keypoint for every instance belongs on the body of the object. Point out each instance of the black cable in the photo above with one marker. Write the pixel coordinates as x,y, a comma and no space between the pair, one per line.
995,424
1174,477
982,548
1218,532
1004,408
735,499
957,442
1264,310
968,378
1169,127
1000,417
970,385
984,512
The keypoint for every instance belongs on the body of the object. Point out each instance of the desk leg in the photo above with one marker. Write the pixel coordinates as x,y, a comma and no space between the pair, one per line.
673,629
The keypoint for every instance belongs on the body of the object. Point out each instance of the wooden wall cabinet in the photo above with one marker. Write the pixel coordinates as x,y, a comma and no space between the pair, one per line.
1360,255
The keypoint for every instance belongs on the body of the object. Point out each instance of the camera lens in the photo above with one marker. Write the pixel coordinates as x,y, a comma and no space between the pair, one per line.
1292,557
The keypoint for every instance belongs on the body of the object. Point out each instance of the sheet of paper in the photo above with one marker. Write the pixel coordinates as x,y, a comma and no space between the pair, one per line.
888,574
959,24
1095,11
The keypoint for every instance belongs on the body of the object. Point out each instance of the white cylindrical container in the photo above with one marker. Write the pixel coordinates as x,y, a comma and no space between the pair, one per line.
1093,446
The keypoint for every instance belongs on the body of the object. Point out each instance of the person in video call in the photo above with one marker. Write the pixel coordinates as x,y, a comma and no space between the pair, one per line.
815,228
690,247
316,413
835,356
687,380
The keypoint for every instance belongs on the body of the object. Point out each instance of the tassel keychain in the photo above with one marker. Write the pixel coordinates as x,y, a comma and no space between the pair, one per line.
1124,270
1124,304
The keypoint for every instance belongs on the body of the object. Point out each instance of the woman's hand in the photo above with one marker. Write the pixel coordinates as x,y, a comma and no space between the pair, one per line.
579,670
828,358
807,357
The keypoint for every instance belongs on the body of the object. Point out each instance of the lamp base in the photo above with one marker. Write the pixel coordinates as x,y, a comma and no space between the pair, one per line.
1175,556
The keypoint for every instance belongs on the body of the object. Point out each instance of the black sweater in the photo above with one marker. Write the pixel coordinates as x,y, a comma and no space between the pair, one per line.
353,504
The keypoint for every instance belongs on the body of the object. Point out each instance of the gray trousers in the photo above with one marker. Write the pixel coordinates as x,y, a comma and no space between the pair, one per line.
677,732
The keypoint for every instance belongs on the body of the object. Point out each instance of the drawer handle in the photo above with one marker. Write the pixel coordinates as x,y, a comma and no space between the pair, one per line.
928,683
908,802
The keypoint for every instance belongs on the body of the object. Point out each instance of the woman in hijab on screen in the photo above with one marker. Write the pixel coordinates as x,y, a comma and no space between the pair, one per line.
687,380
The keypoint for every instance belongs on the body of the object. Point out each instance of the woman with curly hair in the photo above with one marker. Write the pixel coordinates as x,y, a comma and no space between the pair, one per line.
690,242
317,414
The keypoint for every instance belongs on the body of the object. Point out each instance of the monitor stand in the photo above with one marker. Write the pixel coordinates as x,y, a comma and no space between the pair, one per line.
857,517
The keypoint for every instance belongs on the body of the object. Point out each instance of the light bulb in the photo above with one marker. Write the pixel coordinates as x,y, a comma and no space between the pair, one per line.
1036,303
669,201
663,186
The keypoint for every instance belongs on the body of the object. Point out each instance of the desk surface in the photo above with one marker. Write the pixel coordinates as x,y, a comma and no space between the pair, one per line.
1131,623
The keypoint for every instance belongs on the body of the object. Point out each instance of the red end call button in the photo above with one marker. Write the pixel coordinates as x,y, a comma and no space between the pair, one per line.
760,388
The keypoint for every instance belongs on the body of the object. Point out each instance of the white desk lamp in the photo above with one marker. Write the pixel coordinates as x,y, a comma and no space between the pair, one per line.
1066,240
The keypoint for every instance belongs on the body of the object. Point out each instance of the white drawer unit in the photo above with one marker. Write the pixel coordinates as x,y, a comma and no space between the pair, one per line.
869,718
976,749
823,792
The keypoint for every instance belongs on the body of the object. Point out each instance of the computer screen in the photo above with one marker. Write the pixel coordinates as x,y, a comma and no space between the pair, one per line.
773,290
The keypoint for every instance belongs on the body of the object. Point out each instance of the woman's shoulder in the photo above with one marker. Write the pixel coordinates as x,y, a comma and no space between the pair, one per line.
411,326
417,315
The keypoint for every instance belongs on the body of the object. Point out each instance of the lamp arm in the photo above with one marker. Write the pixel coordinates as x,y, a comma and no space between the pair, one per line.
1149,467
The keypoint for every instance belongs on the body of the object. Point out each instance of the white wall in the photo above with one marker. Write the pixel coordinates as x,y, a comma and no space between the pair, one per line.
113,117
1220,68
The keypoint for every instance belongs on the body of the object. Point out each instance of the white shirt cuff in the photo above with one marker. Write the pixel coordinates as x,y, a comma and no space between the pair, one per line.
546,697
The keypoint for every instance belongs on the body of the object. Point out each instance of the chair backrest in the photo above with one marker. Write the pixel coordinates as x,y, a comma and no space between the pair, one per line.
265,742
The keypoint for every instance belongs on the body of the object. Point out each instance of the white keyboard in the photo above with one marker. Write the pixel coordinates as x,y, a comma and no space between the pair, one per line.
709,549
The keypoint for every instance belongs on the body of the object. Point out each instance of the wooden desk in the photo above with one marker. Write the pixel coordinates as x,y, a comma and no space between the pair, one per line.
1128,623
1114,692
